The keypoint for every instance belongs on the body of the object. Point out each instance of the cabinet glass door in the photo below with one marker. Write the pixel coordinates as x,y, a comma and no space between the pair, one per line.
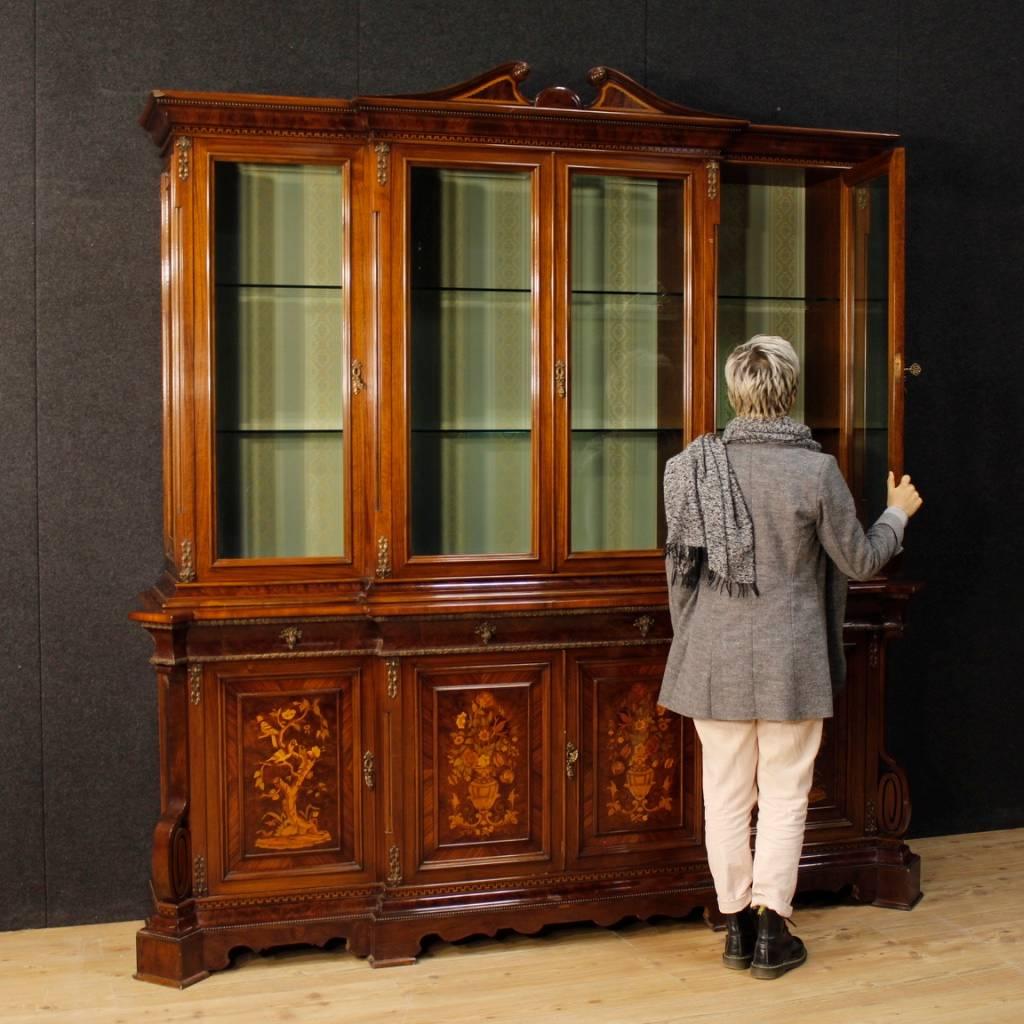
779,274
627,329
875,286
471,361
278,313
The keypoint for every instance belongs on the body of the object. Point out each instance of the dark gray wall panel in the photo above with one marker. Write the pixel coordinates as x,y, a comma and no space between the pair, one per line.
22,883
803,62
99,395
417,45
957,700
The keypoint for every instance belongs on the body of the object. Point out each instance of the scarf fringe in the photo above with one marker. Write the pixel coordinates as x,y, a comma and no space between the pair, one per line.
691,564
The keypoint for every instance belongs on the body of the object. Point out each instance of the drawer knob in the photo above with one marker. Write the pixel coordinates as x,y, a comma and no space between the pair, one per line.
291,636
485,631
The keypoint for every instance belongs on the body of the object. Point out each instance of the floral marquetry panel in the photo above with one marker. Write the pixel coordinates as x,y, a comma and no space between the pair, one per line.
636,769
483,780
289,783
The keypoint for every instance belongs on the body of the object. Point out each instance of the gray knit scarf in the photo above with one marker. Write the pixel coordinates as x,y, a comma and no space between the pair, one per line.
710,530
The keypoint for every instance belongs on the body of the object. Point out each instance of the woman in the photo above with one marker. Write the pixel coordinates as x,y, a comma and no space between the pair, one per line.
762,536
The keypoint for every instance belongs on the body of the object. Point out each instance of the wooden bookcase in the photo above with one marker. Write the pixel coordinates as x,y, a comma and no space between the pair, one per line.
424,359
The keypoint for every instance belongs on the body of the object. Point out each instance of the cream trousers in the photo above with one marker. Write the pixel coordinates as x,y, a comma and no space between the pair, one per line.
770,764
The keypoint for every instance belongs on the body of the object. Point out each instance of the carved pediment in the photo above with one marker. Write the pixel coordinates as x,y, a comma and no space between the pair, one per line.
616,92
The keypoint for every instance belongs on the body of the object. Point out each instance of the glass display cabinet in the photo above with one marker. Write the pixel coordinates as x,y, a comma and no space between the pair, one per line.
425,358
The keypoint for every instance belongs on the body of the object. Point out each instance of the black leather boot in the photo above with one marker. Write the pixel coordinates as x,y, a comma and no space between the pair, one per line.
740,936
775,950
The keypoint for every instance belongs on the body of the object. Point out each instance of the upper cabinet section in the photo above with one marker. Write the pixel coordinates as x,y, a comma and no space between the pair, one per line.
437,338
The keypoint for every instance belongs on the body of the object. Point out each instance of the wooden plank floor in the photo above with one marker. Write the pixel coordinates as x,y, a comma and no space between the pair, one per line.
957,957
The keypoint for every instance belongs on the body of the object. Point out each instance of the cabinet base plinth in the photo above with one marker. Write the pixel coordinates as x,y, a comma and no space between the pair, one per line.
170,960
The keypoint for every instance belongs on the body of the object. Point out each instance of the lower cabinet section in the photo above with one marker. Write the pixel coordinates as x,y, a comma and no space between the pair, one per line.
387,795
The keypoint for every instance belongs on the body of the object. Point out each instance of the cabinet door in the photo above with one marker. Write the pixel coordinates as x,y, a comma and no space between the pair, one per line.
284,781
633,785
874,209
470,260
625,334
276,465
478,785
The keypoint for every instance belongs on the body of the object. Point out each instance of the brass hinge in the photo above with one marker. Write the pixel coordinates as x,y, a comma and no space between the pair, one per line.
383,151
199,887
560,379
369,770
392,664
572,755
187,570
184,148
712,168
394,866
383,557
195,684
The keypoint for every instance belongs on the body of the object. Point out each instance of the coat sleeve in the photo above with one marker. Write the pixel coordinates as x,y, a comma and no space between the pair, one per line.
857,554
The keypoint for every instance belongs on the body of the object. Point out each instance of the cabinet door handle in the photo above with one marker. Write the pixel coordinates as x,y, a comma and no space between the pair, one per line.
914,369
358,383
369,770
572,755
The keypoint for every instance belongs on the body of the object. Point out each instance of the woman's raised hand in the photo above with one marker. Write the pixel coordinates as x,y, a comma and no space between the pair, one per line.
904,494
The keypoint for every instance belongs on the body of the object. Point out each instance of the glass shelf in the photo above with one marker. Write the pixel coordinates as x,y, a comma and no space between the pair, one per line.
776,298
278,430
310,287
465,288
471,430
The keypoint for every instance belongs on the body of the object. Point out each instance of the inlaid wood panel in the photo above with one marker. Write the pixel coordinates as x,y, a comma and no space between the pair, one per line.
634,792
291,779
481,768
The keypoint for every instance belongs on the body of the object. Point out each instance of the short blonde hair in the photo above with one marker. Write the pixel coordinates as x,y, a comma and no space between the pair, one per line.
761,376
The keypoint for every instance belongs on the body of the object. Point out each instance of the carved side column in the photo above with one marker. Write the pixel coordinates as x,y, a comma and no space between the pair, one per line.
897,881
169,947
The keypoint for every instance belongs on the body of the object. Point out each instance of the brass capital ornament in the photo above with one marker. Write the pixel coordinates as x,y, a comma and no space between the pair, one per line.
383,151
184,148
195,684
199,886
383,557
187,570
712,168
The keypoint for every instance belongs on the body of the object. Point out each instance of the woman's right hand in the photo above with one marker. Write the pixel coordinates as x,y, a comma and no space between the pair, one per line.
904,494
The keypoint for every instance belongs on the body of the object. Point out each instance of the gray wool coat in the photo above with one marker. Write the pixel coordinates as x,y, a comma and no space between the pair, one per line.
776,656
